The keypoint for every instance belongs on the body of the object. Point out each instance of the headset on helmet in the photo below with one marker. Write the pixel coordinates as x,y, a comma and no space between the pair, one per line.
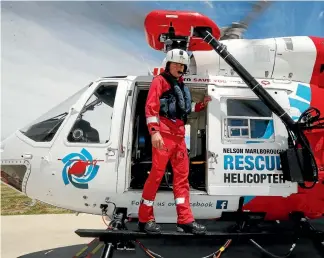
177,56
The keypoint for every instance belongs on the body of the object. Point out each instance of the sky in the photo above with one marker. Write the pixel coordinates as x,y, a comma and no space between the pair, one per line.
49,50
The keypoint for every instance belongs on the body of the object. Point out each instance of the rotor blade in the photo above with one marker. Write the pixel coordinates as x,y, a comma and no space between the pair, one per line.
257,9
237,29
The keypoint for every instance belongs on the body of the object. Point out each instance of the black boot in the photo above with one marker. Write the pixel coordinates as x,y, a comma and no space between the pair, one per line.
149,227
193,228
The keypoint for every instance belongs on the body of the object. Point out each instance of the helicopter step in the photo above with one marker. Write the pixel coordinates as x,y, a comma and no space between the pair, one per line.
249,227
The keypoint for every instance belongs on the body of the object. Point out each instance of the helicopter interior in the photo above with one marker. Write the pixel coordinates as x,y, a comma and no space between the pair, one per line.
142,147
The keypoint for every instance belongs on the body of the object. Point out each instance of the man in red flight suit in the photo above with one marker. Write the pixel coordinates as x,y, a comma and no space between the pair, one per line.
167,106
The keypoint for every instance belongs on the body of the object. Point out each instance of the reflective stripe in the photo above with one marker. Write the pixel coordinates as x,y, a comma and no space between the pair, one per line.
152,119
180,200
147,202
193,107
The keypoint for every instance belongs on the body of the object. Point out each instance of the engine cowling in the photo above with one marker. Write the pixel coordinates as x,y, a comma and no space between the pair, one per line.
291,58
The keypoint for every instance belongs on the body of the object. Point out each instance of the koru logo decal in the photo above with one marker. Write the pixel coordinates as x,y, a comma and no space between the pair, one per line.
79,169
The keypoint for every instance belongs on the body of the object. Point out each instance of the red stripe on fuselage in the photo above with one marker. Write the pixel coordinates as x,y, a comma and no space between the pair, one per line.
317,76
309,201
316,137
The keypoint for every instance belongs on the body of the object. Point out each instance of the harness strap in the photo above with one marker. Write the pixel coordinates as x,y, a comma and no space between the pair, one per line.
169,79
177,91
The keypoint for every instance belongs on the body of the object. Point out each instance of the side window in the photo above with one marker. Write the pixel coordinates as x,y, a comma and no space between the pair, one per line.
248,119
94,122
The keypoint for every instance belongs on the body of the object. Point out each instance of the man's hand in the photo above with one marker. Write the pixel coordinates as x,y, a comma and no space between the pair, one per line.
157,140
203,104
206,100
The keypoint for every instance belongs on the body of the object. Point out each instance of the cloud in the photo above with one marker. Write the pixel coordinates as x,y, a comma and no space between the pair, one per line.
321,15
52,49
48,54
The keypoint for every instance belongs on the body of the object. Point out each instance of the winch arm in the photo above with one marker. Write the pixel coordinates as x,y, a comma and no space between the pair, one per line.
298,164
263,95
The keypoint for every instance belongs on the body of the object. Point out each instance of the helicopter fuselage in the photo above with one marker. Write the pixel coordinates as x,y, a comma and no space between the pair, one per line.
98,152
94,148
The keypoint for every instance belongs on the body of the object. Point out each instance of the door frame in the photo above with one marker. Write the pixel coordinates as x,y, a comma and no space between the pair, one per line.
215,162
113,149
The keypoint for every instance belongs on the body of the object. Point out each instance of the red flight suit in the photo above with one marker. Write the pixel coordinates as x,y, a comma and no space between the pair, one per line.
175,149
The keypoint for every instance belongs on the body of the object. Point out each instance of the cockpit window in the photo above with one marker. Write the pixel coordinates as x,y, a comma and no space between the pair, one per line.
46,126
94,122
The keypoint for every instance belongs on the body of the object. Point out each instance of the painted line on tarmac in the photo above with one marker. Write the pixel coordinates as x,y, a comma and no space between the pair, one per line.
95,250
95,243
88,246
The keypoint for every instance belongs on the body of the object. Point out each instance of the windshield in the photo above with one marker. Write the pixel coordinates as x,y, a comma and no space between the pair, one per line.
44,128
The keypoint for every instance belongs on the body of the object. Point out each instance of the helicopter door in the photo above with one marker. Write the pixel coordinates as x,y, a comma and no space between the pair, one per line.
244,141
86,155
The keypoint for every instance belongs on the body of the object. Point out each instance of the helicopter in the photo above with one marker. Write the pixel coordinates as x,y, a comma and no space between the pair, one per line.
259,143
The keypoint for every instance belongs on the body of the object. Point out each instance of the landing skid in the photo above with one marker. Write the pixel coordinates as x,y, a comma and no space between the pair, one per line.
249,229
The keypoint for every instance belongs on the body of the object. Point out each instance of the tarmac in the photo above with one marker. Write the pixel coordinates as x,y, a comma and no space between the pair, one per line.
52,236
30,236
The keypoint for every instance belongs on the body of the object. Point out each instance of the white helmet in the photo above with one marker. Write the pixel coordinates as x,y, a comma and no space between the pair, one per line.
177,56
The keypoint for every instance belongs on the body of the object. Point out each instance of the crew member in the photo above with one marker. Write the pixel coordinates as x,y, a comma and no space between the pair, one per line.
167,107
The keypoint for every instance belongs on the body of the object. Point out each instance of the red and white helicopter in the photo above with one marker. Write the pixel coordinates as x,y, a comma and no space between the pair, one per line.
257,151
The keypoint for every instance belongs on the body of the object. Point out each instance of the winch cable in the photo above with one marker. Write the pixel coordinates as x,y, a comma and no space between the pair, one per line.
216,254
104,214
104,221
219,252
113,224
271,254
307,122
148,251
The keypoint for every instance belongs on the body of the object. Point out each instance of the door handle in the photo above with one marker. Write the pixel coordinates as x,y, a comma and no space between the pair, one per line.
27,156
213,159
213,156
111,151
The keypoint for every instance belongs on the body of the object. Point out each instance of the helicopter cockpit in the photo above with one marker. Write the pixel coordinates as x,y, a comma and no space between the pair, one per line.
45,127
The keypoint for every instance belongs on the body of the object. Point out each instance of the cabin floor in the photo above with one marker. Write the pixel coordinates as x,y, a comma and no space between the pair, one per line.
142,148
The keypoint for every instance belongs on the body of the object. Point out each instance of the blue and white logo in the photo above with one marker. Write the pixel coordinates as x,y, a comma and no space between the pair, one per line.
79,169
300,101
221,205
